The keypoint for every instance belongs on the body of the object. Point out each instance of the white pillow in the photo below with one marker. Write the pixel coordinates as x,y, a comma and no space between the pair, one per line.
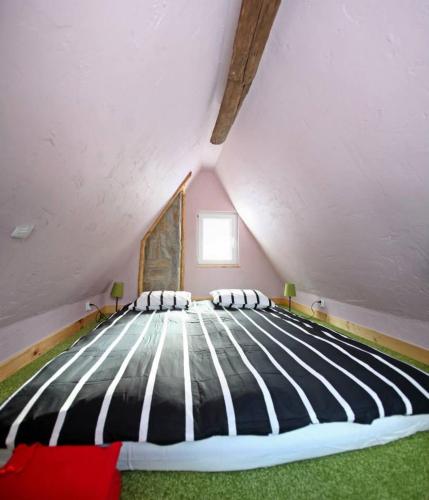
161,300
241,299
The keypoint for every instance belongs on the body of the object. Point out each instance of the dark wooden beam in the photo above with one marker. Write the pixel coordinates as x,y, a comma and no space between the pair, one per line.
254,26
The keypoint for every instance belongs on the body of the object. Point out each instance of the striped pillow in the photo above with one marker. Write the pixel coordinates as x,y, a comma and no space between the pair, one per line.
241,299
161,300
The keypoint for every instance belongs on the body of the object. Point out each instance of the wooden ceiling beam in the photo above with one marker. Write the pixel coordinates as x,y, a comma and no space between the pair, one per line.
254,26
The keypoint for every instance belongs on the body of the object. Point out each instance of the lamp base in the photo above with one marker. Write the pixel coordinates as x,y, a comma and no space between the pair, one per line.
117,304
289,303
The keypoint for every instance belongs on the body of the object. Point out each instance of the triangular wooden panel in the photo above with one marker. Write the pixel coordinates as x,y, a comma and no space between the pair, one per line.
161,265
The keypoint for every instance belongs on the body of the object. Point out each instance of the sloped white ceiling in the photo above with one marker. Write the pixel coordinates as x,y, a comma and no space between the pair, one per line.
106,105
328,163
104,108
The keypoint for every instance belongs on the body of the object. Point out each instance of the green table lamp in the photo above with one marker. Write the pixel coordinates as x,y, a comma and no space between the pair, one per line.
117,291
290,291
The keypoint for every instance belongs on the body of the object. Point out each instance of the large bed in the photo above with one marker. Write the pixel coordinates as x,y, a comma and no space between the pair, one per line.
211,388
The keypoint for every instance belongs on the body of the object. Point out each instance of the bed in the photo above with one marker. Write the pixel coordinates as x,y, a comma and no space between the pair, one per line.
217,389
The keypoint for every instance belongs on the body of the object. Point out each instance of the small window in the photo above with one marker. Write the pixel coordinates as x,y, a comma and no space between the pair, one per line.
217,238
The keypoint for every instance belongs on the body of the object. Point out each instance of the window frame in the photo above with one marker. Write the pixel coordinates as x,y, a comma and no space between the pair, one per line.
213,214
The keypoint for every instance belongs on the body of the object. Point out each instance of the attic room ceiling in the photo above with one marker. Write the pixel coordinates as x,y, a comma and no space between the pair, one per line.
327,162
105,106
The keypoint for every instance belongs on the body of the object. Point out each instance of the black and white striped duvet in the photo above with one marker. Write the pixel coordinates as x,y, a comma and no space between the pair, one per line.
166,377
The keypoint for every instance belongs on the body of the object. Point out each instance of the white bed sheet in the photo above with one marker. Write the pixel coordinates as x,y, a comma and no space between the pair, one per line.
223,453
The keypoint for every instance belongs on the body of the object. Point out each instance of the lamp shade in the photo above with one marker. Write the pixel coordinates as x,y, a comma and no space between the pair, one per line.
290,290
117,290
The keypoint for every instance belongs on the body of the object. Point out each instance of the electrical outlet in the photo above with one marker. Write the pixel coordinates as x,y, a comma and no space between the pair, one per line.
87,306
322,303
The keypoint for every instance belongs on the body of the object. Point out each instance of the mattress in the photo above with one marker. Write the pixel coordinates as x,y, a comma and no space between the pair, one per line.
179,377
224,453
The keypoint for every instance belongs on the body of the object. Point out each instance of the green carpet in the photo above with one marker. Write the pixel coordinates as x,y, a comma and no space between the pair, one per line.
398,470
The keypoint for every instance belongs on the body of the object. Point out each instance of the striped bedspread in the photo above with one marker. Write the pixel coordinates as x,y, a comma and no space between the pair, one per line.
166,377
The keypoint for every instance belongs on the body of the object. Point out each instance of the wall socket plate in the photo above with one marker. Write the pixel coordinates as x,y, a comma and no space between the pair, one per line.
322,303
88,306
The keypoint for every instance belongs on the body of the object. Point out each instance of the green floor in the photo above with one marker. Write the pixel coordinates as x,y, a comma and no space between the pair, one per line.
398,470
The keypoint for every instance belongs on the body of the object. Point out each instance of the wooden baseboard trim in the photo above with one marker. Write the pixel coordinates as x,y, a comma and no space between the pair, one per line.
400,346
17,361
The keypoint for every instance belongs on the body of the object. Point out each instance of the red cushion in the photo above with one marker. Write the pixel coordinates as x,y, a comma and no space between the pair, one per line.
61,472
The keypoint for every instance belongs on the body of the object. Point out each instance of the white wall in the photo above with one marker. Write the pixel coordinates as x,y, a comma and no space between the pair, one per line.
206,193
328,160
21,334
105,106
